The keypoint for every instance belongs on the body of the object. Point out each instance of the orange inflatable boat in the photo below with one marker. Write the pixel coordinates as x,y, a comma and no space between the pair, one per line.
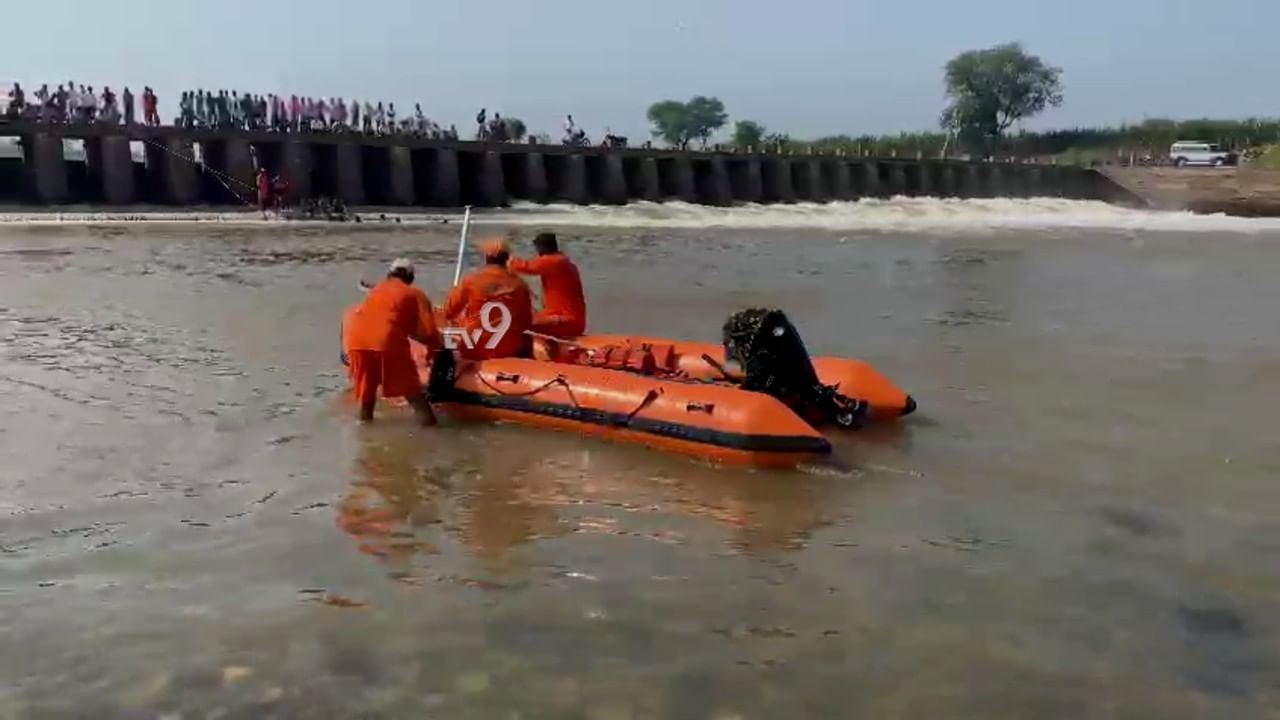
676,396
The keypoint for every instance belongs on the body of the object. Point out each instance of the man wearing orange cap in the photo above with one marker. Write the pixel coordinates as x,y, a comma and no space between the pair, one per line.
376,340
492,306
564,308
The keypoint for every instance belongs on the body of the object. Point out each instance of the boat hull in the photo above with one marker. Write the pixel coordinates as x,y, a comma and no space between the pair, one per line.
713,421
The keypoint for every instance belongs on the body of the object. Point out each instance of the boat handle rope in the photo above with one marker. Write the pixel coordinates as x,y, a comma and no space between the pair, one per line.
646,402
557,380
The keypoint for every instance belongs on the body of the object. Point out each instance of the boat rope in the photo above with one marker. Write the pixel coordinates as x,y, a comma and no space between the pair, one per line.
646,402
221,177
557,380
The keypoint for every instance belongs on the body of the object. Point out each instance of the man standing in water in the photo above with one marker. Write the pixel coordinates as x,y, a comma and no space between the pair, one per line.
263,183
564,306
376,341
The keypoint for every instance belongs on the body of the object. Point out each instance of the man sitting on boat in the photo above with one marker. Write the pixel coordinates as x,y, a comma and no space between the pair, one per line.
376,342
493,306
564,306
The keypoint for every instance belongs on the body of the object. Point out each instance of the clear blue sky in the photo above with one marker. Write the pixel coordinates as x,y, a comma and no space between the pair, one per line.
808,67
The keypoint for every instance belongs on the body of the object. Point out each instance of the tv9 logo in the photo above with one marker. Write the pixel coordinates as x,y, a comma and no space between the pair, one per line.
456,338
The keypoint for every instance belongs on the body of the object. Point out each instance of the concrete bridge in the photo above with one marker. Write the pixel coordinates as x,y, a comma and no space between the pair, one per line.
123,166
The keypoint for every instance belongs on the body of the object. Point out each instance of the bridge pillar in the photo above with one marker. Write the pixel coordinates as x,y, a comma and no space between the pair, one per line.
117,170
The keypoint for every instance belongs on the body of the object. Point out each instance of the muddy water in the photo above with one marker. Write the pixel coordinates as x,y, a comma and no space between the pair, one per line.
1081,521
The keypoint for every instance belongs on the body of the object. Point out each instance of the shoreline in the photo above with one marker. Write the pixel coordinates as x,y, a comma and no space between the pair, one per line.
1244,192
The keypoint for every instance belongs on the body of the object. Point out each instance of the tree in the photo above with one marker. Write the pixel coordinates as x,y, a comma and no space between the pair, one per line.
706,116
990,90
748,134
679,123
670,120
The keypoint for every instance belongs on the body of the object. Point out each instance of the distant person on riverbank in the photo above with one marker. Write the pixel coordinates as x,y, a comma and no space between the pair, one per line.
263,183
376,338
481,126
368,117
564,305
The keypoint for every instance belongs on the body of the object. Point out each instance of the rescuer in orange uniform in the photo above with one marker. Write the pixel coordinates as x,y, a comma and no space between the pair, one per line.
376,340
473,305
564,308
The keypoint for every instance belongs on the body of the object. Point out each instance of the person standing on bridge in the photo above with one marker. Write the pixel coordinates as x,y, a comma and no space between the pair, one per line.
375,339
17,101
126,97
150,111
564,305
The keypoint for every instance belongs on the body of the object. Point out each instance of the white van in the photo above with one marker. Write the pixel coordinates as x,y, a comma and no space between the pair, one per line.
1199,153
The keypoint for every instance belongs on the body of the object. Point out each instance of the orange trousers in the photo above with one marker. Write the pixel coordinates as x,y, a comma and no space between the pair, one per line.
392,372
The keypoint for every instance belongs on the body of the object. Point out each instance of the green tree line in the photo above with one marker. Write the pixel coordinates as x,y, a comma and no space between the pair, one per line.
1083,145
988,93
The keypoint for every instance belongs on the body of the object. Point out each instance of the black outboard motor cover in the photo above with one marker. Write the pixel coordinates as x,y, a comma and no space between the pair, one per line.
774,361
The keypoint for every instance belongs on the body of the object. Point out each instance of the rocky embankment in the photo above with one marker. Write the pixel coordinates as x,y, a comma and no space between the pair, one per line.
1243,191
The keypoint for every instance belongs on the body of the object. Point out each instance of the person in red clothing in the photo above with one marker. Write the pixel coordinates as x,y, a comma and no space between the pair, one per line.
492,306
281,187
264,191
564,308
150,108
376,337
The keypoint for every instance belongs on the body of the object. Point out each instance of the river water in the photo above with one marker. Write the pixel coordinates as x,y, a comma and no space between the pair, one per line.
1081,521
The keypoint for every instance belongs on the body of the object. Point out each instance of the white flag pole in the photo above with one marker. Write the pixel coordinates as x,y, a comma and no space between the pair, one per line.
462,245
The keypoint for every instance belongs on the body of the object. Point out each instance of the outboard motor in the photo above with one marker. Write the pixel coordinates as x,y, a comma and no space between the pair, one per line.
773,360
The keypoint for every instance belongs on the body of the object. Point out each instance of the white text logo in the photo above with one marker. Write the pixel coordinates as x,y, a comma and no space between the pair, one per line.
455,337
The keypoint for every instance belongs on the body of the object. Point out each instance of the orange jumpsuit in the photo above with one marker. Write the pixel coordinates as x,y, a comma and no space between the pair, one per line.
376,340
564,307
466,306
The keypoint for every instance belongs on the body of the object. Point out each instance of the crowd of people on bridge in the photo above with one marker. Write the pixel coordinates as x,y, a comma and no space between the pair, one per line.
76,103
295,113
222,109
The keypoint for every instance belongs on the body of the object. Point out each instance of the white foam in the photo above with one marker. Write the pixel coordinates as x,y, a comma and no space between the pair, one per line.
902,213
897,214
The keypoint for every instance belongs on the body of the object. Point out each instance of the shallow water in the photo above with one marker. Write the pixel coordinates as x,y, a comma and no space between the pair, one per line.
1080,522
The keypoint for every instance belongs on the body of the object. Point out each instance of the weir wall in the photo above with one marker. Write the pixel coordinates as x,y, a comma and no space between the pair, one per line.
172,166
